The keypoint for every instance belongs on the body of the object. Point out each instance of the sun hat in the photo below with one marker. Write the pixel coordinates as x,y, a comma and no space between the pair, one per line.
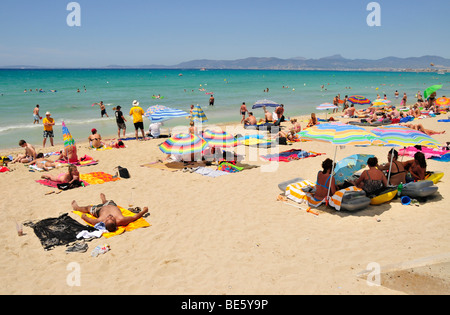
135,103
47,114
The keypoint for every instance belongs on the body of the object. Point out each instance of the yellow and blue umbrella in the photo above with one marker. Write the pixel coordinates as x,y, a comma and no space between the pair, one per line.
198,115
183,144
67,137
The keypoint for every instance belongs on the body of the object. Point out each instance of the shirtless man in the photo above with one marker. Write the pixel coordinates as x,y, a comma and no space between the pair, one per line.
36,116
102,108
95,139
250,120
243,110
30,153
108,213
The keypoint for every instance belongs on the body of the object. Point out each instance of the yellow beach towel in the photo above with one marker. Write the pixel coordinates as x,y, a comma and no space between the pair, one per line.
336,200
141,223
295,193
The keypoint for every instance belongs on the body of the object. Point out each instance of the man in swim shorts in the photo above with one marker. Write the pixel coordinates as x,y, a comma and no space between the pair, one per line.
108,213
137,112
48,122
36,116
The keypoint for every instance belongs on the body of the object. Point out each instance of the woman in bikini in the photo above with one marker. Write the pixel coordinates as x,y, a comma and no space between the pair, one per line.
398,172
323,181
63,178
42,162
372,180
313,121
417,168
95,140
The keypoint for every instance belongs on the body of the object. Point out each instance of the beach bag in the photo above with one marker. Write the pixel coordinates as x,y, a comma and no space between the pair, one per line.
282,141
123,172
67,186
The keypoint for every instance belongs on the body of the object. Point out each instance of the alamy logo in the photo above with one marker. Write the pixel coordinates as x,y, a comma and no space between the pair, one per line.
374,18
74,17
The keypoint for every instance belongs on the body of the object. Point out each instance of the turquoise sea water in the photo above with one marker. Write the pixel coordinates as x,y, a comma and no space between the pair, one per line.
299,91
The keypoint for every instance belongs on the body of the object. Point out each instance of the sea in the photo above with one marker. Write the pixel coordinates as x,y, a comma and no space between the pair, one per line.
70,94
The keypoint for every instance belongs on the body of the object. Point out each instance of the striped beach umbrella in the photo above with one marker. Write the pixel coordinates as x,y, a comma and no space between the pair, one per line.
183,144
378,104
341,134
359,100
198,115
326,106
398,135
160,113
265,103
67,137
219,138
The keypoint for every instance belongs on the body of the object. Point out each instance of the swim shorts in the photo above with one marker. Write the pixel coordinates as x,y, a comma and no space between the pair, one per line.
121,126
48,134
36,117
103,112
139,125
95,210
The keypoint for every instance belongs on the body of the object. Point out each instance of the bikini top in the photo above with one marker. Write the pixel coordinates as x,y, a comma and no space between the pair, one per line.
326,183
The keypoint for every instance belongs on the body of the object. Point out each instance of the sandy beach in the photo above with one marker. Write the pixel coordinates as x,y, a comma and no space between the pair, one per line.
227,235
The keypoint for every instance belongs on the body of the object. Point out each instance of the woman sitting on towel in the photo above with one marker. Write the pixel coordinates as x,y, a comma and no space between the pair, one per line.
323,181
313,121
372,180
65,178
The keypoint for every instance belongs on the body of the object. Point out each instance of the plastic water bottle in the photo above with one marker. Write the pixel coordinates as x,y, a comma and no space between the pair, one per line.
99,250
399,189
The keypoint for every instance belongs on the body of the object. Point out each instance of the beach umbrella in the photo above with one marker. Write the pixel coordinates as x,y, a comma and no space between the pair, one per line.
346,167
67,137
359,100
265,103
219,138
340,134
181,144
326,106
198,115
431,90
398,135
378,104
160,113
443,101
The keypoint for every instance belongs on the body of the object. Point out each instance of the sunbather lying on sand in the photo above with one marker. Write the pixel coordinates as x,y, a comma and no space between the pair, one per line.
108,213
63,178
42,162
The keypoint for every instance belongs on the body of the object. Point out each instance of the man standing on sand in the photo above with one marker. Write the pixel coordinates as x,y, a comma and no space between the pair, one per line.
120,120
108,213
36,116
48,122
137,112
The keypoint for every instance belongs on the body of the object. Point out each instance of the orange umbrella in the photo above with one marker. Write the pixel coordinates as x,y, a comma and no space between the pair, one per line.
443,101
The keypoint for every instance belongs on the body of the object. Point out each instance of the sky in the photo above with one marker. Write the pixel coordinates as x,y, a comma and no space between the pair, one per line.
167,32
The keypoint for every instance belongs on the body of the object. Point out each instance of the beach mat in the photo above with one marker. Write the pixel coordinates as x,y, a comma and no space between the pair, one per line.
97,178
291,155
141,223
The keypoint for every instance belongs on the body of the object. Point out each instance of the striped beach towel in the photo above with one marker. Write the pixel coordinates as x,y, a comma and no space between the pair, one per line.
336,200
295,193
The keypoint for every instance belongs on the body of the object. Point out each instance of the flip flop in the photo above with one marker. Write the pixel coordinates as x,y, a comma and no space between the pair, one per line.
78,247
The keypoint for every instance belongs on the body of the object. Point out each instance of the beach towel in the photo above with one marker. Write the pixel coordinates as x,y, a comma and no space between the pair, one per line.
336,199
84,161
4,169
210,172
428,152
229,168
53,184
141,223
442,158
296,193
57,231
97,178
291,155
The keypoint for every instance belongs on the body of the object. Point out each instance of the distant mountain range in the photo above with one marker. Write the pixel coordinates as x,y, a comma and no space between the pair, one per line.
336,62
